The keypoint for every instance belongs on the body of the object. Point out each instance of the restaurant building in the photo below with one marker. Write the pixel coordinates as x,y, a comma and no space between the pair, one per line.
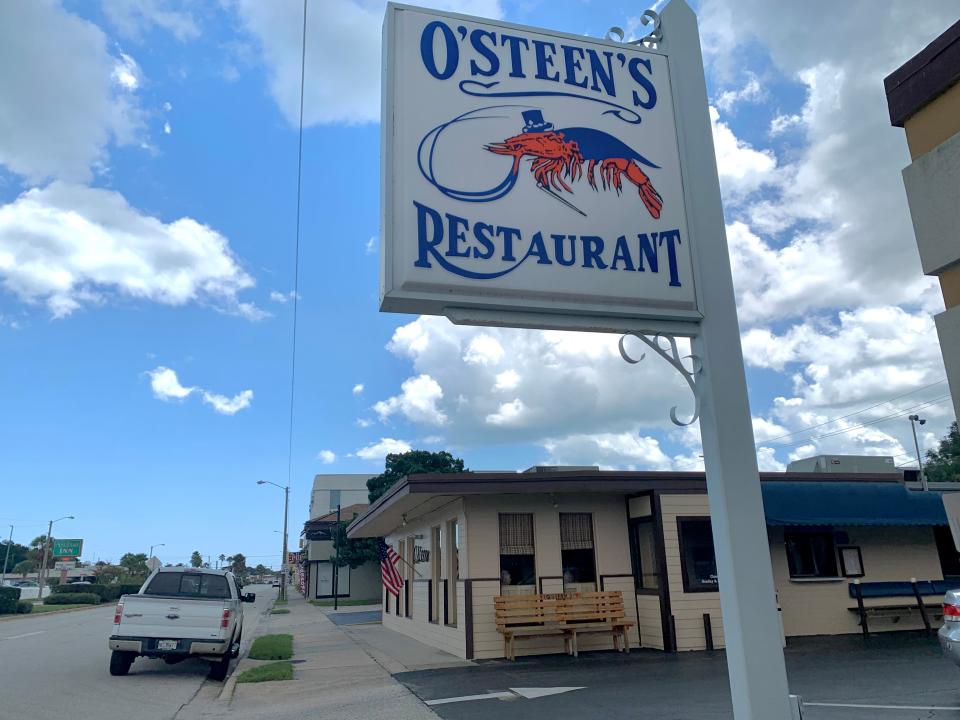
466,538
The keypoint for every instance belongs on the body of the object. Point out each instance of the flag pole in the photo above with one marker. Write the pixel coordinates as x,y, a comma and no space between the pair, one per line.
407,564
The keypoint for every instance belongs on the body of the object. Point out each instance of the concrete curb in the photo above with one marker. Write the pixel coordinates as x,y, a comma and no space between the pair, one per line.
243,662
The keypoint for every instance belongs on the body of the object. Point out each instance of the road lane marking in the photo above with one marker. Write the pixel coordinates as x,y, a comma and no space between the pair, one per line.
509,694
880,707
17,637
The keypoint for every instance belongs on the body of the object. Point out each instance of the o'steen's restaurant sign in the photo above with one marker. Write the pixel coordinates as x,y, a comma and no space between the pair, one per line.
529,170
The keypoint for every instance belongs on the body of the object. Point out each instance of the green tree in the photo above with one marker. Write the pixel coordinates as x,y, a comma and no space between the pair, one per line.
18,553
943,464
260,570
222,558
36,550
238,564
414,462
196,560
398,465
135,564
24,567
108,574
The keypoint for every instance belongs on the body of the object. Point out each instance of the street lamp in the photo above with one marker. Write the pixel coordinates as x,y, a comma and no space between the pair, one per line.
42,574
914,421
150,554
3,577
283,558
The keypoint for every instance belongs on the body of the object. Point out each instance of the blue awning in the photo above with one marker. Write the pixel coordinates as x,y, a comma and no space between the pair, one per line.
850,503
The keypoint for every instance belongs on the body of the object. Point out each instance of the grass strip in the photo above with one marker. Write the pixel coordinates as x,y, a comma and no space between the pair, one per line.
37,608
265,673
345,603
280,601
280,611
272,647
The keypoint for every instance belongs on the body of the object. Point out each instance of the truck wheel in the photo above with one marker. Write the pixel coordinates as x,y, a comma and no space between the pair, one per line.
120,662
236,641
220,668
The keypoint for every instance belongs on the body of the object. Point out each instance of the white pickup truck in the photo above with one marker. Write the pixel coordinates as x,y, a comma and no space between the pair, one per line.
180,613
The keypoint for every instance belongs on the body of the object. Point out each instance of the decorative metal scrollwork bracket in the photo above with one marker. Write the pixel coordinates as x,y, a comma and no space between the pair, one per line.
651,40
672,355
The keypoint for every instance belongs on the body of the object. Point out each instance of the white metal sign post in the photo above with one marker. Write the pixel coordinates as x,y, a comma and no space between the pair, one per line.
542,180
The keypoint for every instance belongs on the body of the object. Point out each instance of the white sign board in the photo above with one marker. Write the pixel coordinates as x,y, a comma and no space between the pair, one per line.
65,564
529,170
951,504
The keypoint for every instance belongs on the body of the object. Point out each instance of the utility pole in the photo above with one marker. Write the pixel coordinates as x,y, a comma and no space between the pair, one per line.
914,420
42,572
283,559
336,566
3,577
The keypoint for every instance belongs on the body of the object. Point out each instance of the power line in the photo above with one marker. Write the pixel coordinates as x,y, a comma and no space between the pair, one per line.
296,251
875,421
857,412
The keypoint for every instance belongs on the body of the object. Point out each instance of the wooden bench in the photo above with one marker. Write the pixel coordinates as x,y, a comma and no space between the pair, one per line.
889,590
564,614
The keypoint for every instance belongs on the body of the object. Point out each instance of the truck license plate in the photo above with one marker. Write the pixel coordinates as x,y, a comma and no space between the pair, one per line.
166,644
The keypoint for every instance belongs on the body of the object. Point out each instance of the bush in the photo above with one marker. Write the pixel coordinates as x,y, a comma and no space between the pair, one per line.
9,597
113,592
73,599
100,591
24,608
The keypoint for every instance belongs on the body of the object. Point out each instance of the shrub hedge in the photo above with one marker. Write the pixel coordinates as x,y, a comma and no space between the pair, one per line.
24,608
115,591
9,597
73,599
74,589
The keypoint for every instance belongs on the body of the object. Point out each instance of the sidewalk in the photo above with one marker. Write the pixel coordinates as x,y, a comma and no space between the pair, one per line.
335,676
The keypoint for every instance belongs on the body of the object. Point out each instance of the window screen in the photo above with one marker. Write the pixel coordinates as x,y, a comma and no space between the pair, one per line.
576,550
517,565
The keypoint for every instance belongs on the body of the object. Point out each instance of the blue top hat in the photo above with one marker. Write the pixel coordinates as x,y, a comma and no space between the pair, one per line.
533,122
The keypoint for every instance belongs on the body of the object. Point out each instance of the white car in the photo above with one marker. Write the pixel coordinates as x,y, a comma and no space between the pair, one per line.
180,613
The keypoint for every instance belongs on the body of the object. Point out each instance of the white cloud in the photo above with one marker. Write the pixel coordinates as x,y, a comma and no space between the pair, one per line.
63,105
338,92
751,92
358,388
166,128
784,123
509,413
68,246
767,460
166,385
364,422
370,247
167,107
608,450
379,450
507,380
483,350
134,18
742,169
418,401
228,405
327,457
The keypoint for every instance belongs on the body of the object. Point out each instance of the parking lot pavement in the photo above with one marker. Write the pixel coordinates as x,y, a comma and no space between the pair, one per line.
899,676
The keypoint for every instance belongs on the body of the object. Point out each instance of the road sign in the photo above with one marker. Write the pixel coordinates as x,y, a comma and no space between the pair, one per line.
67,548
65,564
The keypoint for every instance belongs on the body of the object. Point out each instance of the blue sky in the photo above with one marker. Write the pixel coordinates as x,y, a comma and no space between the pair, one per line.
146,266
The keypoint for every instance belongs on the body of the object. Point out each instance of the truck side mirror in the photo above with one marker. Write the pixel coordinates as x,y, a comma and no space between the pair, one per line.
249,597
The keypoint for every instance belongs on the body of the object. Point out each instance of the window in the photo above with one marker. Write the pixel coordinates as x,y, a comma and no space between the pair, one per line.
576,552
811,554
851,561
517,566
334,499
645,571
697,560
436,539
201,585
949,557
453,571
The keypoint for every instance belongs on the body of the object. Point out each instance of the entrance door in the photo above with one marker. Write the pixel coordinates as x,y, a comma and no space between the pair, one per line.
325,581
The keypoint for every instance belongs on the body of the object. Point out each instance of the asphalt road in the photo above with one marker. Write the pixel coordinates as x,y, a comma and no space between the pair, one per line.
897,677
56,666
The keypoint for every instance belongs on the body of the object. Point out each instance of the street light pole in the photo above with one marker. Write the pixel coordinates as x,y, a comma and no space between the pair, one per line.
283,559
914,419
6,558
150,554
42,572
336,566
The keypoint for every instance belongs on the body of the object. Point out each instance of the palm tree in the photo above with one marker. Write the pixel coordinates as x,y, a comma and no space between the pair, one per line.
222,558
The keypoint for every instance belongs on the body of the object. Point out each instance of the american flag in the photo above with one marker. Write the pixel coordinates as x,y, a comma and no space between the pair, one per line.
388,568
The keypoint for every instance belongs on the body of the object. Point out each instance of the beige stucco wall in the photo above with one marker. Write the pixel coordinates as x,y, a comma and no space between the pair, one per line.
611,546
934,123
451,639
889,553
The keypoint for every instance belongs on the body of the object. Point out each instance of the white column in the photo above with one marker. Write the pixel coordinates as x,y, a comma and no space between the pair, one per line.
758,680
